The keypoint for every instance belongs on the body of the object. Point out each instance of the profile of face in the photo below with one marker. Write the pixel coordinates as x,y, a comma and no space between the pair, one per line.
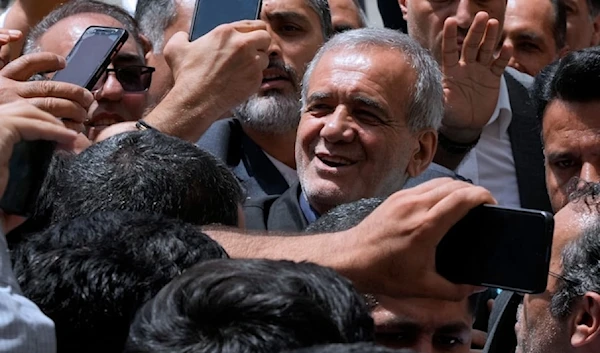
571,134
423,325
296,35
162,80
537,329
345,15
583,29
113,104
353,140
425,19
529,27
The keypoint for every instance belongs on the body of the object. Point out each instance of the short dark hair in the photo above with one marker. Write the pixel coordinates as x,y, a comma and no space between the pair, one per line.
145,171
361,347
90,274
574,78
154,17
345,216
594,6
251,306
559,30
76,7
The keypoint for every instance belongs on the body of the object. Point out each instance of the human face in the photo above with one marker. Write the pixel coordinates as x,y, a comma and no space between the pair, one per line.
423,325
536,329
345,15
162,81
571,133
529,26
583,31
296,35
425,19
353,141
112,104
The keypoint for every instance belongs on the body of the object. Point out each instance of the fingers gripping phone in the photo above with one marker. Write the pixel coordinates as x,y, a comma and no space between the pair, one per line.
498,247
29,162
209,14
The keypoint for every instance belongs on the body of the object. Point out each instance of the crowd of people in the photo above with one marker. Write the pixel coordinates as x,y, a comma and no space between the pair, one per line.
281,184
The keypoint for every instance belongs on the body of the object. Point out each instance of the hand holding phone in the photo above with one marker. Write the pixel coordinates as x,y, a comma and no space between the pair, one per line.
498,247
29,162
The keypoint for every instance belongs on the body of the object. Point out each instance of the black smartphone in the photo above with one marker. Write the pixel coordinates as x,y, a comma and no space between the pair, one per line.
209,14
91,55
29,162
498,247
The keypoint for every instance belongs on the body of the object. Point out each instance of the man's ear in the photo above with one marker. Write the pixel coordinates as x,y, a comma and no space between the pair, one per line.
423,154
586,321
402,4
564,51
146,46
596,33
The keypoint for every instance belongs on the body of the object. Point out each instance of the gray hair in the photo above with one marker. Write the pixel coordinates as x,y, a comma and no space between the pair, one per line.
77,7
426,108
155,16
580,257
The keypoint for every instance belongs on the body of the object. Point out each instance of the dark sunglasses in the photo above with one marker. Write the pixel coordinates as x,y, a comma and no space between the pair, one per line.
135,78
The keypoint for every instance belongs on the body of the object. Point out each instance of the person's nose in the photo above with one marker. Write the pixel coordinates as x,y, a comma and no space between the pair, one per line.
465,13
590,172
339,126
111,89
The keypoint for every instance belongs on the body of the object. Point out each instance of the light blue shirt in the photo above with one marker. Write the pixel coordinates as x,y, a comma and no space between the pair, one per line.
23,327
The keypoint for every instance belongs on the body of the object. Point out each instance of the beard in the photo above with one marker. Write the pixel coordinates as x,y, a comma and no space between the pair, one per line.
540,336
273,112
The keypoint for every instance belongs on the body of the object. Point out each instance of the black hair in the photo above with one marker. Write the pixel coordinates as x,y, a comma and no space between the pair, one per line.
144,171
574,78
362,347
559,30
249,306
90,274
345,216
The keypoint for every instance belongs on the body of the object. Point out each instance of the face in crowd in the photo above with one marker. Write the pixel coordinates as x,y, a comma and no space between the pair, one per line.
120,96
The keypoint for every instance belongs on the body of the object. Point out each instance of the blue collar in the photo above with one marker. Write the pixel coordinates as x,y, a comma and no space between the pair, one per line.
310,213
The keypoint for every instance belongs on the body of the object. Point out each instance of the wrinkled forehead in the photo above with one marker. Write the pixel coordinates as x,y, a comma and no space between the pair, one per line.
62,36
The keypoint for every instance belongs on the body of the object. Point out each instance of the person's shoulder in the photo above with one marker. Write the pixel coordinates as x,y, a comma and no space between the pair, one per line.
217,138
432,172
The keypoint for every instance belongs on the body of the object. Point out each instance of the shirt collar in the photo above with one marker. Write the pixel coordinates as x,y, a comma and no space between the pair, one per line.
310,213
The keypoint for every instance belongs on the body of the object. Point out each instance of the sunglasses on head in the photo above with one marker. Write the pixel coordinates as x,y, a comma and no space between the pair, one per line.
134,78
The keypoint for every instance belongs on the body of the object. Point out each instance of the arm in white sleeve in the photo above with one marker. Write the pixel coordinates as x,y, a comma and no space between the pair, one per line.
23,326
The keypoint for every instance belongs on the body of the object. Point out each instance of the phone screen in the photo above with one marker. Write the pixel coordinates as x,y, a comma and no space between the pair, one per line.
498,247
212,13
90,56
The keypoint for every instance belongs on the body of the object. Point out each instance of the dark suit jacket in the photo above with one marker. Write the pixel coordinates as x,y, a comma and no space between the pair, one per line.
525,138
228,142
284,213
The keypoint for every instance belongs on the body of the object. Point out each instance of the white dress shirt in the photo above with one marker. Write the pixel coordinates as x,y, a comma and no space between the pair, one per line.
491,164
23,327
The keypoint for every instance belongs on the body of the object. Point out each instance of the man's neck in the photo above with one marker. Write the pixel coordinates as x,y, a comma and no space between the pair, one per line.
278,146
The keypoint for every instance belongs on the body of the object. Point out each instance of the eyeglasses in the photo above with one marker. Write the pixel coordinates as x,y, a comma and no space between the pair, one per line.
562,278
134,78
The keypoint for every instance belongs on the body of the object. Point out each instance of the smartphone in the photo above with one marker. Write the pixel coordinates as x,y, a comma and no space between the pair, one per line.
91,55
498,247
29,162
209,14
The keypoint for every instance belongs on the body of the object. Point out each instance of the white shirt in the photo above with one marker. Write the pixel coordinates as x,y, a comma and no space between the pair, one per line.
289,174
491,164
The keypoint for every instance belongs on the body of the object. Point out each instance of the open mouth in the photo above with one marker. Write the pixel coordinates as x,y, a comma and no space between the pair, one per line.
334,161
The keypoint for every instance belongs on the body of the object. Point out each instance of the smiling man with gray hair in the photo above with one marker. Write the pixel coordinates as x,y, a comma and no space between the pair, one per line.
371,104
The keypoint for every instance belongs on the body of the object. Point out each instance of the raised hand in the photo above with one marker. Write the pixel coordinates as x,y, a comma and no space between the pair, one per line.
213,74
471,76
60,99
